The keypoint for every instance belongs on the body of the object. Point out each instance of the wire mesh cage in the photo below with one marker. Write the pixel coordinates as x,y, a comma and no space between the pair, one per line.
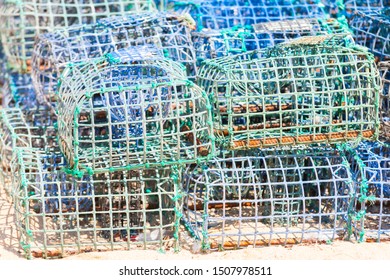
24,129
221,14
268,198
384,68
137,109
372,30
334,8
352,6
218,43
18,91
59,214
310,90
21,21
170,34
370,166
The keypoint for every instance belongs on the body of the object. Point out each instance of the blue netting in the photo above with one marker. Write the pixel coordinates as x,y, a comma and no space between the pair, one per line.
372,29
221,14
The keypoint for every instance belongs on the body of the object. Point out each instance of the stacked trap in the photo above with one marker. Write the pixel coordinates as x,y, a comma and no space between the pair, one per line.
237,123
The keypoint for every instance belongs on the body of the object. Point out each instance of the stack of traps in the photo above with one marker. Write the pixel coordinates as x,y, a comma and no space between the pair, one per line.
60,213
127,146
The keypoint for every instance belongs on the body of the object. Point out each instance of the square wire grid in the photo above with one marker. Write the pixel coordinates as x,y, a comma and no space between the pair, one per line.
22,20
127,111
269,197
168,33
220,14
310,90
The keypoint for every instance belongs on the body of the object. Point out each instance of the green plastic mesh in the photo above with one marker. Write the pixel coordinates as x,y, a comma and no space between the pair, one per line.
59,214
22,20
168,33
313,89
270,197
129,110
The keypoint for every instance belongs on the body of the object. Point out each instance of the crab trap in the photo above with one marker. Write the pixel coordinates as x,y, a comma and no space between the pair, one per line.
169,34
21,21
352,6
220,14
125,111
371,170
59,214
24,129
18,91
270,197
310,90
372,29
218,43
384,68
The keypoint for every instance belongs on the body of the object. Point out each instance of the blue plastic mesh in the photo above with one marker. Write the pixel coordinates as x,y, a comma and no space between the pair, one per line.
220,14
169,33
372,29
18,91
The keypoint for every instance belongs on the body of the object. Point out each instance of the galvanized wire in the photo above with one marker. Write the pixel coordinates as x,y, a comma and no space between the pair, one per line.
370,168
22,20
371,29
264,198
18,91
168,33
217,43
220,14
59,214
310,90
137,109
384,68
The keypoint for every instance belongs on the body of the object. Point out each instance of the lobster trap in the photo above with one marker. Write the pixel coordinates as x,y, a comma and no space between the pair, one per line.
371,29
18,91
219,14
353,6
384,68
21,21
26,130
310,90
263,198
371,170
130,110
170,34
218,43
59,214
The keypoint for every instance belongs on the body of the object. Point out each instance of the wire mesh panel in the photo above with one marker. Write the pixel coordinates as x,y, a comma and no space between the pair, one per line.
53,51
140,110
352,6
310,90
21,21
59,214
372,30
371,167
220,14
24,129
384,68
18,91
217,43
279,197
334,7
